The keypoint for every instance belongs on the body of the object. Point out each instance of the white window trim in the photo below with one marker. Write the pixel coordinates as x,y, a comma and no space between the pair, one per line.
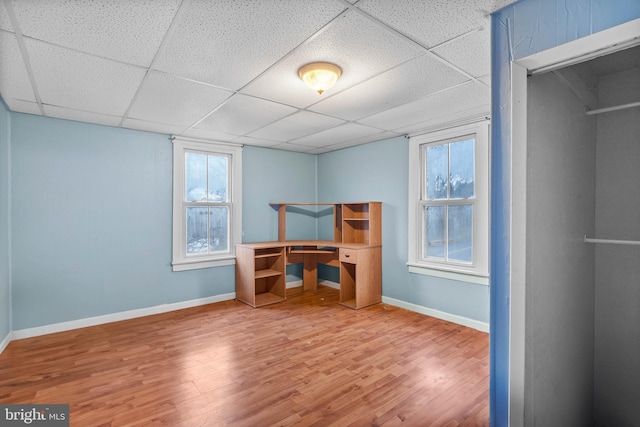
478,271
180,260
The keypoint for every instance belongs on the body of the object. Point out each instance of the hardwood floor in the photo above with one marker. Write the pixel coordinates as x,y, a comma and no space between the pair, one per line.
305,362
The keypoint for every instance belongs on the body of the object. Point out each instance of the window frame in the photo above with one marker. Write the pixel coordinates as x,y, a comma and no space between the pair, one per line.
181,146
478,270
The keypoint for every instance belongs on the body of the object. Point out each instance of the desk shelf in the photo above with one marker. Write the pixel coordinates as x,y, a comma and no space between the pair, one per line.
261,274
312,250
266,299
350,303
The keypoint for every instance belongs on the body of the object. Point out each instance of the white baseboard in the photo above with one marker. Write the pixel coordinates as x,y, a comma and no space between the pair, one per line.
460,320
294,284
5,342
329,283
115,317
164,308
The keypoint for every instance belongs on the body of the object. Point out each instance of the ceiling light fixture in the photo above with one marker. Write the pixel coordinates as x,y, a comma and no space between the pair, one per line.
320,76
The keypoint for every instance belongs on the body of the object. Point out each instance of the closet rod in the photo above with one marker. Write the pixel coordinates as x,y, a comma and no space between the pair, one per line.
617,107
610,241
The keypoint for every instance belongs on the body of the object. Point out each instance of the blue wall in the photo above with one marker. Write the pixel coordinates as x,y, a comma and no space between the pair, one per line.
5,248
270,176
522,29
92,220
91,232
379,172
275,176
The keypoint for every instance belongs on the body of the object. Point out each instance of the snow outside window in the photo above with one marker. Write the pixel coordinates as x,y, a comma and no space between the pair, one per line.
207,196
449,203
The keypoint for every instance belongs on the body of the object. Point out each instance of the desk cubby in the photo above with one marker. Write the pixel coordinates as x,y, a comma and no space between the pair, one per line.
361,223
260,275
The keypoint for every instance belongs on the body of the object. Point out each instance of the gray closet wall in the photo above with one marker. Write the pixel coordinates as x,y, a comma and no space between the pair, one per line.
617,292
560,267
582,362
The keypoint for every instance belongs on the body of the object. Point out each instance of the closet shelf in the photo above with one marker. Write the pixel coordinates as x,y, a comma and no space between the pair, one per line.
611,241
614,108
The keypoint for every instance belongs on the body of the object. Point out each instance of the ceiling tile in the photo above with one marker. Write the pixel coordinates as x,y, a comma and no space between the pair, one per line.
499,4
297,125
14,80
411,81
448,120
167,99
230,42
242,114
432,22
441,104
319,150
469,52
338,134
81,116
20,106
294,147
90,83
5,22
131,34
256,142
236,65
208,134
152,127
364,140
361,48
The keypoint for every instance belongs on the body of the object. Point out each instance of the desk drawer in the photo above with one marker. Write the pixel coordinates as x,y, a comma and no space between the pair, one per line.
349,255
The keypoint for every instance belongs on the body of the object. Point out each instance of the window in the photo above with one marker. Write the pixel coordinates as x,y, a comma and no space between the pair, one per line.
207,208
449,203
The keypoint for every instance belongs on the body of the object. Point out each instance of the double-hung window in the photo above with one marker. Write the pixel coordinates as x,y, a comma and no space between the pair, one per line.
207,211
449,203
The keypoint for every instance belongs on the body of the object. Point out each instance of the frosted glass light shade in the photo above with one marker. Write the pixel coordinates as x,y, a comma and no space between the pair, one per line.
320,76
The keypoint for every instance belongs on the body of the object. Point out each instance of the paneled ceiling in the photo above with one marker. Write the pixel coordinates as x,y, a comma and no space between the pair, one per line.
226,70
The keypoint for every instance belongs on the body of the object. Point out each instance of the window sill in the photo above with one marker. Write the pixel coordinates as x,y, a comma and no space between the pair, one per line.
469,277
202,263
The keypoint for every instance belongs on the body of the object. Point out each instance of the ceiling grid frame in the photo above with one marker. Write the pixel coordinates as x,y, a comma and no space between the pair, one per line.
25,55
334,128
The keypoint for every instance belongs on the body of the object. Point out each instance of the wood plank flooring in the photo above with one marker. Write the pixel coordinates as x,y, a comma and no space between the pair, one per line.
305,362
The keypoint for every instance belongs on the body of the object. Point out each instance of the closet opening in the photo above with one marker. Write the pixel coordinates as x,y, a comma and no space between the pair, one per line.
581,241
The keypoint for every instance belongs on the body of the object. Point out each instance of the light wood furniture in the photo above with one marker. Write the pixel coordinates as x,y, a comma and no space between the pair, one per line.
360,277
356,249
263,271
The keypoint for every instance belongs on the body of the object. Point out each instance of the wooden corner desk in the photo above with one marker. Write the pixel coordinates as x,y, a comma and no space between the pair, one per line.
356,250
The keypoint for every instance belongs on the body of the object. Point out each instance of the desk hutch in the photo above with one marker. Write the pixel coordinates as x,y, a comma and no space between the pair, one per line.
356,249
